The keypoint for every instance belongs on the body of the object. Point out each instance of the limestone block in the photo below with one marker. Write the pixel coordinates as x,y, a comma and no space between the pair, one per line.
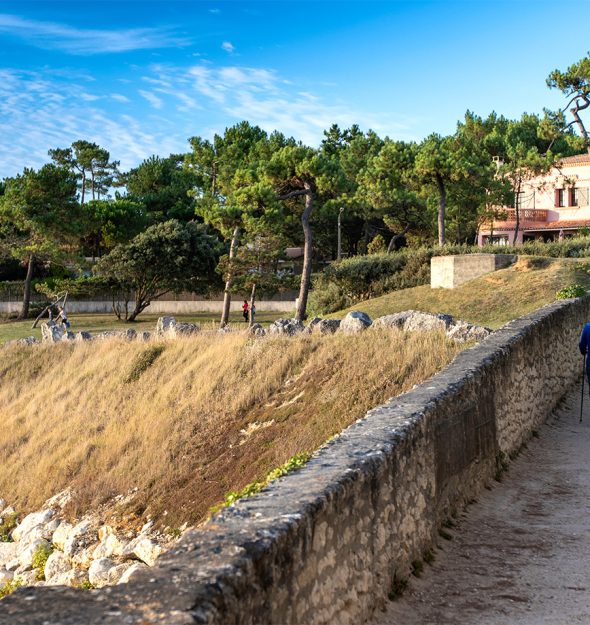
61,534
30,521
146,550
5,576
355,321
8,552
25,557
288,327
57,566
131,570
98,573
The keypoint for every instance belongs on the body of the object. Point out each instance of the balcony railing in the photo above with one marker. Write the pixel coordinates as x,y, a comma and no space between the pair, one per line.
526,214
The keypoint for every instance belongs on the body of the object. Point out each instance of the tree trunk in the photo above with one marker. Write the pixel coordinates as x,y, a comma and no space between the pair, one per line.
252,304
24,313
442,204
229,279
307,252
140,306
517,214
83,187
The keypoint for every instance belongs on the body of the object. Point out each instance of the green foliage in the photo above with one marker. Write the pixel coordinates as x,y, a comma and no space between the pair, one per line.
8,588
9,522
377,245
85,585
326,297
574,290
171,256
293,464
39,559
143,362
85,287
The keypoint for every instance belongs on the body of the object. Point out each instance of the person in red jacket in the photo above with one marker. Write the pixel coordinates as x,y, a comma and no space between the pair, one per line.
245,309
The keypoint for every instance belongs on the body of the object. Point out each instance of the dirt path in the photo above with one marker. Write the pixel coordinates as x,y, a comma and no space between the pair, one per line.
521,554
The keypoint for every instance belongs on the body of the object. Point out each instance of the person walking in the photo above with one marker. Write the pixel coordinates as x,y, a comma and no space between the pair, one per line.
245,311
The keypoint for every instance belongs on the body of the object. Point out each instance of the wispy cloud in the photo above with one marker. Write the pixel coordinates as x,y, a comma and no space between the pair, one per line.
228,46
38,113
152,98
87,41
120,98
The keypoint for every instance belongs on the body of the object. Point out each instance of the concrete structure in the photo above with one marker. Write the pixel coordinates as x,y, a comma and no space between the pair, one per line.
326,544
162,307
448,272
552,207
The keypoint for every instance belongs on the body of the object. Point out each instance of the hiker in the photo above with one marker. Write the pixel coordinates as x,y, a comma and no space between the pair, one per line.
64,318
245,309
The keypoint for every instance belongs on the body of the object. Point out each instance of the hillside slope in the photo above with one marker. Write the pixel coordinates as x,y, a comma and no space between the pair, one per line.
491,300
186,421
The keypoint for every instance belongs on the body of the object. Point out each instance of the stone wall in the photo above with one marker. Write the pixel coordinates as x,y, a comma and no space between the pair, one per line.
324,545
448,272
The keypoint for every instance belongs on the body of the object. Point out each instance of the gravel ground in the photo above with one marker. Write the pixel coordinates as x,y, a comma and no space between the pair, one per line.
520,555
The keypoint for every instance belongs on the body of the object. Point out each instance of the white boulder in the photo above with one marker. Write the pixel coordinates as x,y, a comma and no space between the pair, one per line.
355,321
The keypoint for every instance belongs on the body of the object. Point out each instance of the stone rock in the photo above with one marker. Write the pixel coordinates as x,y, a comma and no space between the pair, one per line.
52,332
60,500
114,575
109,546
27,340
327,326
184,329
98,573
78,538
109,334
5,576
68,336
25,557
147,550
45,531
144,336
257,330
83,336
57,566
288,327
73,577
130,334
83,557
8,552
164,324
131,570
61,534
462,332
312,324
421,321
31,521
355,321
27,578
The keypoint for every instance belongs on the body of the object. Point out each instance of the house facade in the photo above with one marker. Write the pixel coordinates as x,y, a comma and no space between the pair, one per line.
552,207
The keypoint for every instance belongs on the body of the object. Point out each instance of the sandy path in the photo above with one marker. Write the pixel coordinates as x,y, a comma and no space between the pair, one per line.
521,554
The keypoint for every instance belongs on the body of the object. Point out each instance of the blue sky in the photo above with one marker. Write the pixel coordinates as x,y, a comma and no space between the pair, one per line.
140,77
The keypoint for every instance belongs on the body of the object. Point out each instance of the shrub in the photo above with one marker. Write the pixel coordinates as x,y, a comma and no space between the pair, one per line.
9,587
571,291
39,560
8,524
143,362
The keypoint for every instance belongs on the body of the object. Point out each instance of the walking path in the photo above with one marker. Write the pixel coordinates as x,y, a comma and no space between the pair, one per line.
520,555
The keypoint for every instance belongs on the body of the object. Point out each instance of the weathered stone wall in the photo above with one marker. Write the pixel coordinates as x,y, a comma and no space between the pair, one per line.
323,545
448,272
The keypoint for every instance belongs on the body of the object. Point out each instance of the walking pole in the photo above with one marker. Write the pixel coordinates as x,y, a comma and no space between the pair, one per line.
583,376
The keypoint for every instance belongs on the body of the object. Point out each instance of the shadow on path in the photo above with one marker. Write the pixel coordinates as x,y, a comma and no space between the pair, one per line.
521,554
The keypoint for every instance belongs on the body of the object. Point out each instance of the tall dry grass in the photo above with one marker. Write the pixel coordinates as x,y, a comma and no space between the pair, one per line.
201,417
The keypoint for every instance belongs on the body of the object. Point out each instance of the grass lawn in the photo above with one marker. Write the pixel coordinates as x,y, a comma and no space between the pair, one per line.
10,330
491,300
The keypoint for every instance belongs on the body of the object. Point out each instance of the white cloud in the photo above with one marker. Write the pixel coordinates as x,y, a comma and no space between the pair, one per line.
152,98
119,98
227,46
39,113
54,36
215,11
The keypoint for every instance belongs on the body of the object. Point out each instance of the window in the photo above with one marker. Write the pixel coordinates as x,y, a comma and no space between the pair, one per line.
559,197
573,196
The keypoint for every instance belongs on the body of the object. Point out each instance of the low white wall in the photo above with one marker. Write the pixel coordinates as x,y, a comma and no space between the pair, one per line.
163,307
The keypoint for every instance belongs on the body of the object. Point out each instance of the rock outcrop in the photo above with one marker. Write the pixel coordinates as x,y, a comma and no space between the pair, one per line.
355,321
288,327
46,549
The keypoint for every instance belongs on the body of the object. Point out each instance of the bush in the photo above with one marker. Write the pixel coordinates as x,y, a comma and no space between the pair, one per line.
8,524
143,362
571,291
39,560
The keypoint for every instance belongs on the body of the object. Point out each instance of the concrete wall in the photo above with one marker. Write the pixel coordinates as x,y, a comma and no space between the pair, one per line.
323,545
448,272
163,307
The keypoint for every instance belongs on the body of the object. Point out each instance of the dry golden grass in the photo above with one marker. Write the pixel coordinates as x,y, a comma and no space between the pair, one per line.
207,415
